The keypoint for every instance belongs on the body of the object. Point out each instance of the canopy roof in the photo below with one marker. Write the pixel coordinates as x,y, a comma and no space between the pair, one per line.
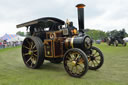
8,36
11,37
44,22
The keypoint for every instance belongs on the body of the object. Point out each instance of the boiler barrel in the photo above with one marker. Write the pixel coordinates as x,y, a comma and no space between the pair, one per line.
78,42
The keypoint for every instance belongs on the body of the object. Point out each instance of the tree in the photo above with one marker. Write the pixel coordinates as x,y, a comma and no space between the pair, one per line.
20,33
96,34
114,33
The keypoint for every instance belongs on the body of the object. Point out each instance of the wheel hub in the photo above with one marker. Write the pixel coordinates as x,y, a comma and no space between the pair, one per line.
30,52
92,58
73,63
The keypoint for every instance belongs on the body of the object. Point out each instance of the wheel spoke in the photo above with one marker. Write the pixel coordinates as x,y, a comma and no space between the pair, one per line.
81,66
89,63
89,59
34,60
35,51
34,46
77,71
72,69
72,56
96,62
35,55
26,47
28,60
31,46
93,63
68,58
97,59
77,57
26,54
69,63
28,42
95,53
97,56
80,61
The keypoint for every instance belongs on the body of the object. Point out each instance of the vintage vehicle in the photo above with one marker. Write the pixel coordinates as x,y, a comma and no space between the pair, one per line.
54,40
115,41
116,38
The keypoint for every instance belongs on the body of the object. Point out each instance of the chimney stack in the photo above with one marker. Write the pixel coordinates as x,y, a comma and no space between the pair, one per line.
80,8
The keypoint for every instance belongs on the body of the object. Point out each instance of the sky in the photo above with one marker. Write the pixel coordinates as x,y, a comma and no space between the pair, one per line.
103,15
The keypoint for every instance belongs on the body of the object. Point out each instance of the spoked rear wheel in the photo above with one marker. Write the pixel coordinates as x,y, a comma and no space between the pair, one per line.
32,52
116,43
75,62
95,59
108,41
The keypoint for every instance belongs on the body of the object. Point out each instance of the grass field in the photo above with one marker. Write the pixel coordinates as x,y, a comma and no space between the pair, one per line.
113,72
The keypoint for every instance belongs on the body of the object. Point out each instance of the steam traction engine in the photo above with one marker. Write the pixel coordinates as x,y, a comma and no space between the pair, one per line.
48,40
116,38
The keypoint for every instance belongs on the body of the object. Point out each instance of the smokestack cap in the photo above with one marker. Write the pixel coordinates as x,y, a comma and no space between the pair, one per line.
80,6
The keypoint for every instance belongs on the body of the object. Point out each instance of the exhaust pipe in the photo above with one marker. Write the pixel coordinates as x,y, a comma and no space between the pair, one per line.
80,8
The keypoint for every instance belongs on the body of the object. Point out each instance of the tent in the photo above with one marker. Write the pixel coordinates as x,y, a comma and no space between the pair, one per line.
8,36
12,38
17,38
126,39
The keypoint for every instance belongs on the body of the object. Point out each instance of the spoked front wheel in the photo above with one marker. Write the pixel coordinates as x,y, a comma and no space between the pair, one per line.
95,59
124,43
32,52
75,62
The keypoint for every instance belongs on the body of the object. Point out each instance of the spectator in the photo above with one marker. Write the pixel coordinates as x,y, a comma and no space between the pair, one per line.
4,44
1,45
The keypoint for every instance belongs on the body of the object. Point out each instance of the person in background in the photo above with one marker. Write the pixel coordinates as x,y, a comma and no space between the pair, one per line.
1,45
4,44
